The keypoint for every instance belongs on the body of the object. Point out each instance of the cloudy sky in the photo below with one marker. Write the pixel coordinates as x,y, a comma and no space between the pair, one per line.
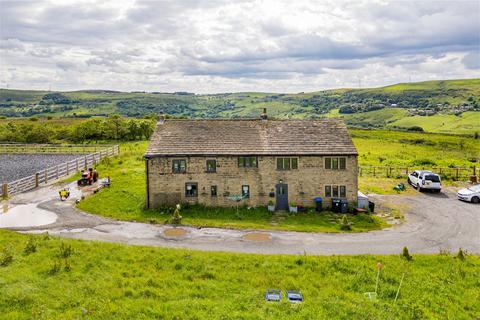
225,46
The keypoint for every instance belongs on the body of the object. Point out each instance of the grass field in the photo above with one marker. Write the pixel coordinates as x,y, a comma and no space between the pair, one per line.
466,123
380,147
113,281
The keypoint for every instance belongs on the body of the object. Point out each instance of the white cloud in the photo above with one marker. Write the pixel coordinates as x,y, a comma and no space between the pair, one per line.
225,46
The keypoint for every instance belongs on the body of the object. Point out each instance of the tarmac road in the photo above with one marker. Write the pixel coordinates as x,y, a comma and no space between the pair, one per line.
434,222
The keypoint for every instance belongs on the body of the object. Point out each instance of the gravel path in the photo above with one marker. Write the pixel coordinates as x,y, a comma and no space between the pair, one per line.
434,222
16,166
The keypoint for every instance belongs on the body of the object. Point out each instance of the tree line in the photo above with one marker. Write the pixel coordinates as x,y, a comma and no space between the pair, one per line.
113,127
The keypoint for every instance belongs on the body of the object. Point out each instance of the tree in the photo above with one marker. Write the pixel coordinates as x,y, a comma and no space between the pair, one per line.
146,128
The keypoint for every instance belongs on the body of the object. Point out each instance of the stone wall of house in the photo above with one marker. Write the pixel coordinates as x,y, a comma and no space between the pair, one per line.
304,183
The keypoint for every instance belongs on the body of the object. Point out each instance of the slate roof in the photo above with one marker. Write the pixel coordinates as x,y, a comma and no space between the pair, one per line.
250,137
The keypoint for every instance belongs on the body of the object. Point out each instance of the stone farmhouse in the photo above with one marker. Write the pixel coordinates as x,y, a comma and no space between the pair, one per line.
209,162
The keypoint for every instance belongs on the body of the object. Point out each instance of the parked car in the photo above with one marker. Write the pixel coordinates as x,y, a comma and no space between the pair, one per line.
471,194
425,180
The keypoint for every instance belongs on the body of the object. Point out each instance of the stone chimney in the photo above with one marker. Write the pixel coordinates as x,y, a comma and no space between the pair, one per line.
161,118
263,116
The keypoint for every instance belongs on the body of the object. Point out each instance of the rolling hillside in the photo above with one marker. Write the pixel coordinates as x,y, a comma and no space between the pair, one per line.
451,106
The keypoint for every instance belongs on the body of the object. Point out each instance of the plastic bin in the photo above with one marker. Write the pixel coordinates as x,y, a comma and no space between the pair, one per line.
339,205
318,204
371,206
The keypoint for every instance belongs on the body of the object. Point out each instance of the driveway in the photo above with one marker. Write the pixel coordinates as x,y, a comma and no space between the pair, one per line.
434,222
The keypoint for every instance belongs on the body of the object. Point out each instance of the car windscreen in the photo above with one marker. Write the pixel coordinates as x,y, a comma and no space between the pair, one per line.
475,188
432,177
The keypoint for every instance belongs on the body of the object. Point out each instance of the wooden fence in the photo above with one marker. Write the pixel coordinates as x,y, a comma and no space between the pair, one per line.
58,172
402,172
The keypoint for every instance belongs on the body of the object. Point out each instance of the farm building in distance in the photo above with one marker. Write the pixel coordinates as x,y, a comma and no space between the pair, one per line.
284,161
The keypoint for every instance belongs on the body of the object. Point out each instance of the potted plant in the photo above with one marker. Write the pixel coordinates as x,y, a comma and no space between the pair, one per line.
293,208
271,206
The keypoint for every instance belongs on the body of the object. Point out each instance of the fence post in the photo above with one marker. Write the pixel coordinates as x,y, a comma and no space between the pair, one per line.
5,191
76,161
86,164
46,176
456,174
56,171
374,171
37,180
406,171
474,170
67,168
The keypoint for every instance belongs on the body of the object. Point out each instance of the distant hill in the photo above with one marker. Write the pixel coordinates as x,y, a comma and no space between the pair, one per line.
438,106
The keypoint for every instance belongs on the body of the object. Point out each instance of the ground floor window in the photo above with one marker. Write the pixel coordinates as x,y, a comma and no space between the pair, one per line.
191,189
246,191
343,191
213,191
328,191
335,191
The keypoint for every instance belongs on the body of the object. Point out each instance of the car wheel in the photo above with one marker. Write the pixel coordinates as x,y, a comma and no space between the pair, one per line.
475,200
409,181
419,188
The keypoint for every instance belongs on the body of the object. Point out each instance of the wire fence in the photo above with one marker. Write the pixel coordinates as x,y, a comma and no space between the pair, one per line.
57,172
460,173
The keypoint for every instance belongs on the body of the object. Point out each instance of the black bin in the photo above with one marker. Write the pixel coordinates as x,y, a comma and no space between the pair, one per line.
339,205
318,204
371,206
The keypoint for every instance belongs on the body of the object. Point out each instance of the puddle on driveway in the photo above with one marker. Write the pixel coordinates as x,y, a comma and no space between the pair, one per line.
257,236
175,232
26,215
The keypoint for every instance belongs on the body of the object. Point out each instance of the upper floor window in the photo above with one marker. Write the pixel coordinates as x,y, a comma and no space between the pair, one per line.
247,162
179,166
287,163
211,165
337,163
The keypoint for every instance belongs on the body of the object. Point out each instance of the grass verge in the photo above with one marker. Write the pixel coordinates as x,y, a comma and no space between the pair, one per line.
113,281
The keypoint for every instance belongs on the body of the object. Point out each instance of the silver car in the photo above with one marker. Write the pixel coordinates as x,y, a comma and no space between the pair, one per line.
471,194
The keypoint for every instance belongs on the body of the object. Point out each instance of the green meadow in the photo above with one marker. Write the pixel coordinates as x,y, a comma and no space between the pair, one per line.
42,277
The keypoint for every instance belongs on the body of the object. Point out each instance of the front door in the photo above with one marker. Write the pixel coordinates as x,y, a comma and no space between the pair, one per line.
281,195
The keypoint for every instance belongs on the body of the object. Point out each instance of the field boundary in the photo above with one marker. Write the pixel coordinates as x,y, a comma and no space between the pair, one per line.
23,148
61,171
399,171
